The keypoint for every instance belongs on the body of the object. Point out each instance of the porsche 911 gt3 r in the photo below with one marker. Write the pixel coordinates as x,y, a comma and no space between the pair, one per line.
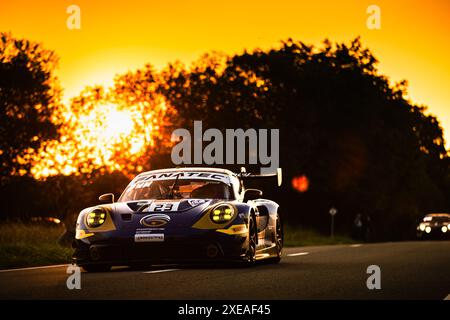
180,215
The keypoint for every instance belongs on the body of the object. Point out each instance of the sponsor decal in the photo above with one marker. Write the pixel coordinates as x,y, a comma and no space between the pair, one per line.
145,180
149,237
155,220
196,202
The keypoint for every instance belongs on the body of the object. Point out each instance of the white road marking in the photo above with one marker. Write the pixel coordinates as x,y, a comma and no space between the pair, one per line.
447,297
159,271
35,268
356,245
297,254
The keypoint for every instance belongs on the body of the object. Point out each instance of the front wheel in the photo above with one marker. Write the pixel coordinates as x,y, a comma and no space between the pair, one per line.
250,255
278,241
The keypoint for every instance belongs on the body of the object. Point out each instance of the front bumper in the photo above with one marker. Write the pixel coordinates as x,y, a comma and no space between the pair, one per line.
435,232
200,246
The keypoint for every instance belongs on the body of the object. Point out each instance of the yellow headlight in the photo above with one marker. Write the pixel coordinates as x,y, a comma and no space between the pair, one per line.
96,218
222,213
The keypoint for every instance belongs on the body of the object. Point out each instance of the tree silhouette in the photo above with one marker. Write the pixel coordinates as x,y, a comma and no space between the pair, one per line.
29,101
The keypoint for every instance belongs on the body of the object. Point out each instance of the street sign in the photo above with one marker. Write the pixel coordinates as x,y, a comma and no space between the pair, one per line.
332,213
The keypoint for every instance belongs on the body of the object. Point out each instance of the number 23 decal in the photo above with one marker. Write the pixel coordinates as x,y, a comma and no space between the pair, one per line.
163,207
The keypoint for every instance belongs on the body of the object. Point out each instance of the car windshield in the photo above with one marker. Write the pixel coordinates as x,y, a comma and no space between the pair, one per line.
177,189
437,219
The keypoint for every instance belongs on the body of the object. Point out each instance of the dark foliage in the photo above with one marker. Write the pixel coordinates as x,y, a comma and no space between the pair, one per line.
29,96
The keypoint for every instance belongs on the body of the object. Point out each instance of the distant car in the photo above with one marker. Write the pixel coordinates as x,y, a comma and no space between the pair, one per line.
434,225
180,215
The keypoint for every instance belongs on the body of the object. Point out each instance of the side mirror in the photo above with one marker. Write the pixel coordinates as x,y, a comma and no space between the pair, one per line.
252,194
107,197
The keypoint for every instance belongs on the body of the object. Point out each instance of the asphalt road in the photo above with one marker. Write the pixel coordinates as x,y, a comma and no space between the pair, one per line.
409,270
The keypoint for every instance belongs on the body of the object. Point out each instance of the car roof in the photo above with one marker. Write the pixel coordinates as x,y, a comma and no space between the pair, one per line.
438,215
191,169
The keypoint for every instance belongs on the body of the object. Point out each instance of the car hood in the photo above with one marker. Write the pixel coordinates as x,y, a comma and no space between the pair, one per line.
181,212
170,205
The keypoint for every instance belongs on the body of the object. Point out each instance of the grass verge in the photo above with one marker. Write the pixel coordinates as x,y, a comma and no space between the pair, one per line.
28,245
299,236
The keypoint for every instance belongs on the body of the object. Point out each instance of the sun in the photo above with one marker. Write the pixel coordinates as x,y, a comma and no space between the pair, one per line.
105,126
92,140
118,124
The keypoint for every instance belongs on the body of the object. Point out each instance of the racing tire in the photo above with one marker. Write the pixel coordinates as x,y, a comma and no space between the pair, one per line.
279,237
250,255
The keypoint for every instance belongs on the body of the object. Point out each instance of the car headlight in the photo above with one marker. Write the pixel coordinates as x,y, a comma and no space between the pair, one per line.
222,213
422,226
444,229
96,218
428,229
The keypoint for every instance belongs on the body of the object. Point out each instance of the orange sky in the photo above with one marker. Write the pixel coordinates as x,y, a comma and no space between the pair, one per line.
116,36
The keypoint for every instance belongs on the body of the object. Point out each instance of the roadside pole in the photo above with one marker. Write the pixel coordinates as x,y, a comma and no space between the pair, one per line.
332,213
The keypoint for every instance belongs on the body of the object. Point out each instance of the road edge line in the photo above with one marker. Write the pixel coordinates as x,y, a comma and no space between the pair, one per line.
161,271
297,254
34,268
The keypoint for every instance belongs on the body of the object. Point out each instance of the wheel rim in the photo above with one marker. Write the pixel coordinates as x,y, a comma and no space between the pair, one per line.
279,240
251,242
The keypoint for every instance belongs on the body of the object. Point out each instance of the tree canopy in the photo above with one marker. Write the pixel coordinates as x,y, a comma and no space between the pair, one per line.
29,101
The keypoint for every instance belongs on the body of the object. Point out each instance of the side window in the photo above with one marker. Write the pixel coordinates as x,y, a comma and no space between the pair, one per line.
238,188
241,189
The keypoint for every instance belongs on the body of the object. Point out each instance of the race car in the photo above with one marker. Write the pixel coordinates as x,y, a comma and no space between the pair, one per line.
181,215
436,225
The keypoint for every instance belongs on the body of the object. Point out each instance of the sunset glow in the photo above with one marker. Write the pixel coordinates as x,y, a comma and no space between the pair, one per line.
117,124
116,37
91,141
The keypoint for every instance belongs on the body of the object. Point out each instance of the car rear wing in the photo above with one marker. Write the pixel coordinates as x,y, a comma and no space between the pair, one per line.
244,175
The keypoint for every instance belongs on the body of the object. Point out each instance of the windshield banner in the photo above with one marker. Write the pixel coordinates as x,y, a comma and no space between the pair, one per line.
145,180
